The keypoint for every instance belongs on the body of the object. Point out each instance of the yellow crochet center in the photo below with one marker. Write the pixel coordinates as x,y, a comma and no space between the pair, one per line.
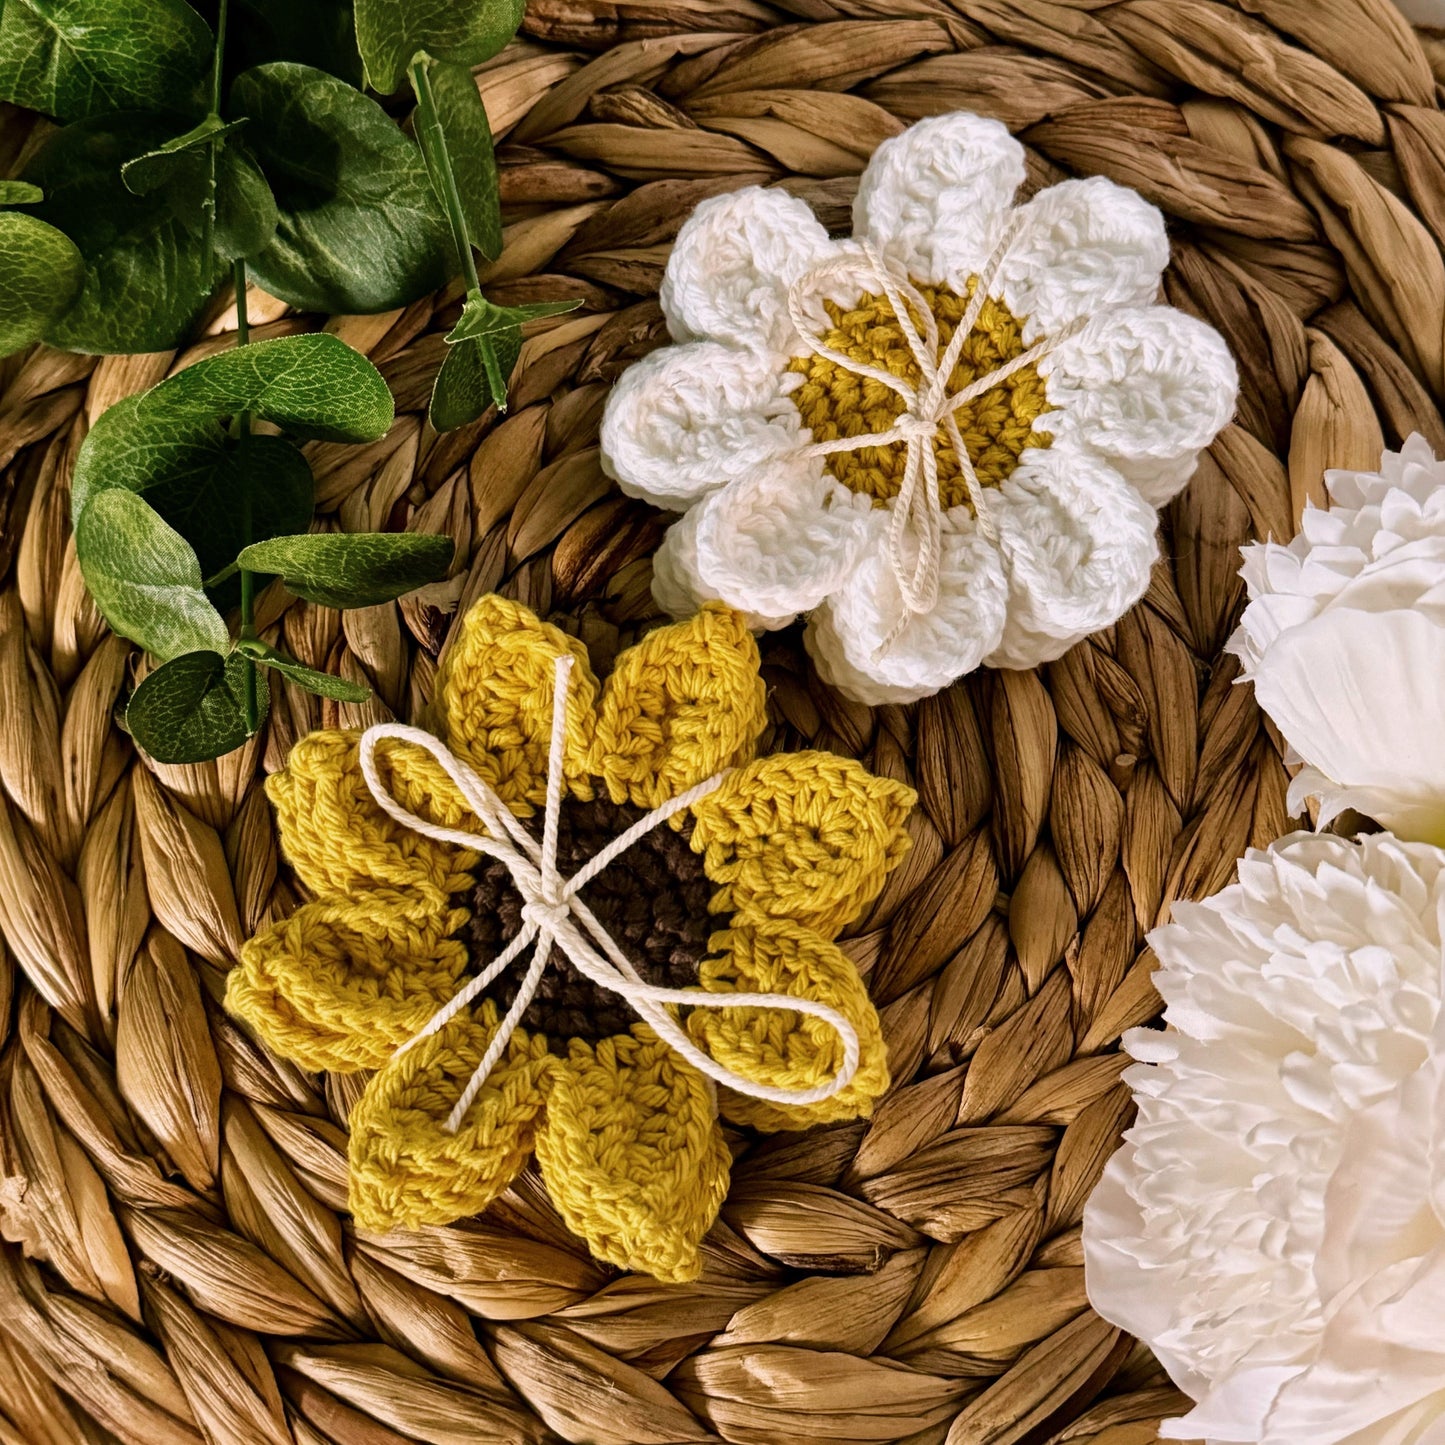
624,1130
835,402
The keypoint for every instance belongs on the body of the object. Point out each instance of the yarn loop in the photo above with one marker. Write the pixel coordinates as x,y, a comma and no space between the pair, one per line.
554,916
916,524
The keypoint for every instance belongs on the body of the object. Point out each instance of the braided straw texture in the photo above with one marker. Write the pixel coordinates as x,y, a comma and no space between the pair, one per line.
177,1265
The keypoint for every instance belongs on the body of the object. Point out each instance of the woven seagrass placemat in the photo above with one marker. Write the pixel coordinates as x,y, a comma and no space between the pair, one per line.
179,1266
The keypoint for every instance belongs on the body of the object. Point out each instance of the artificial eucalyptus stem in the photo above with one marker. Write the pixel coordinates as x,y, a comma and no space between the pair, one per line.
434,145
218,60
241,430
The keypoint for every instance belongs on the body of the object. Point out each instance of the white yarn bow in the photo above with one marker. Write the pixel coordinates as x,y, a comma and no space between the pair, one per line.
554,915
927,407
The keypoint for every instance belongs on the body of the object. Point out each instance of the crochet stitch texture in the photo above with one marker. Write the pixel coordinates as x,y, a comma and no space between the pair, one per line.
1101,405
625,1130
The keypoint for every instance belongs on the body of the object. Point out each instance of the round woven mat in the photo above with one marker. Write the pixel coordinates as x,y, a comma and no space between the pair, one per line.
179,1266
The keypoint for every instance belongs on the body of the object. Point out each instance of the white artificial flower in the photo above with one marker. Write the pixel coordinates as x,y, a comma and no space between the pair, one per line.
1274,1225
1344,638
1092,405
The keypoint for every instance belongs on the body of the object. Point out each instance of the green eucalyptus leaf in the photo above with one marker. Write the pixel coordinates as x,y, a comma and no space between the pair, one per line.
461,392
145,578
467,135
148,275
390,32
74,59
40,275
148,172
193,708
340,569
193,473
496,334
324,684
19,193
320,33
246,215
359,227
313,386
481,320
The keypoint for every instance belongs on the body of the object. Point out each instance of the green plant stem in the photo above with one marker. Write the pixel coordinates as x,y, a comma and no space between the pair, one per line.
434,144
241,430
218,60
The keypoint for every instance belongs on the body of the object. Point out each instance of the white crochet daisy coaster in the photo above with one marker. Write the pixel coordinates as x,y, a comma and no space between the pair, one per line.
945,438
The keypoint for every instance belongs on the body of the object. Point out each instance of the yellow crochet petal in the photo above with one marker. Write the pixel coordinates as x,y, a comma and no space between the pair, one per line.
777,1046
342,983
683,704
809,836
632,1156
495,699
336,838
406,1170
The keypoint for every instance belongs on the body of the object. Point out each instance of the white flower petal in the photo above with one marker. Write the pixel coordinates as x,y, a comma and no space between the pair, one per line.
1119,1290
1158,481
732,264
687,419
1412,470
778,540
1270,1227
1361,696
935,198
847,635
676,586
1141,384
1082,246
1078,545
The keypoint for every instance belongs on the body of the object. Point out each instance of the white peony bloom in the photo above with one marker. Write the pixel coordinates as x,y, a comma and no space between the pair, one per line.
1274,1225
1344,638
816,425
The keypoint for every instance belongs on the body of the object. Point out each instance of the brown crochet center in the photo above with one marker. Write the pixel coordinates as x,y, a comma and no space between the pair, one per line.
653,900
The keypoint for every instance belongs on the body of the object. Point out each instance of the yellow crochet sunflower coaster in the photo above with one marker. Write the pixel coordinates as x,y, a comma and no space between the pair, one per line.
579,922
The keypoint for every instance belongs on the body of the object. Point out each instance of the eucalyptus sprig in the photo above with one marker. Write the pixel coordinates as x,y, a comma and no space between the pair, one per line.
173,171
436,44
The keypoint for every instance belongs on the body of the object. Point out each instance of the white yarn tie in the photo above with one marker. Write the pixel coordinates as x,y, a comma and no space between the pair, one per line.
554,916
916,523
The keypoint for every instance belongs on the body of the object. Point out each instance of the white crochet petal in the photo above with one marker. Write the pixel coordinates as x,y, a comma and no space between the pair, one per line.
676,586
845,635
778,540
732,264
1157,480
1081,246
1140,384
936,197
1078,544
686,419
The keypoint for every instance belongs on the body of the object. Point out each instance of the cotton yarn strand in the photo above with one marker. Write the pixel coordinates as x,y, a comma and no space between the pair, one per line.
555,917
914,1279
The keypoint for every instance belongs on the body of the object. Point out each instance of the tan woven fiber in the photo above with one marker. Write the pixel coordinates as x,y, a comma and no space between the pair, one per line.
178,1266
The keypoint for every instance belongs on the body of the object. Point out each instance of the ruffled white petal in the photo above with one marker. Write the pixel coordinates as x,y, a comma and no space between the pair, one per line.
1272,1226
1158,481
1413,471
1326,682
1081,246
936,197
1078,544
1141,384
847,633
778,540
676,586
687,419
732,264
